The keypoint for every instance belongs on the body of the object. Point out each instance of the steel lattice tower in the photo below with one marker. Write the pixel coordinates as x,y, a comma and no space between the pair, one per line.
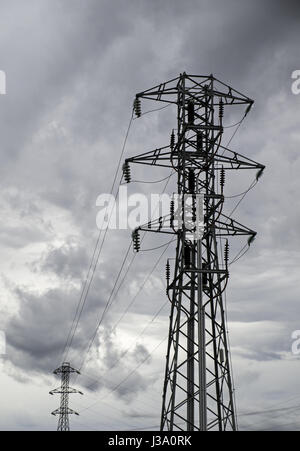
64,411
198,389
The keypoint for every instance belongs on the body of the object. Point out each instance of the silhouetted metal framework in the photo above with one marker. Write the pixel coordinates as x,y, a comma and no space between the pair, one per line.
64,411
197,392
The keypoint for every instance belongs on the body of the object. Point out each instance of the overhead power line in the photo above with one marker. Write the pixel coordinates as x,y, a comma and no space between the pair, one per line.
93,263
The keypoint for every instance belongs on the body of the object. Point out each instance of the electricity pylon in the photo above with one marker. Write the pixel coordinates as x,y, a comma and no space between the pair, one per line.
198,388
64,390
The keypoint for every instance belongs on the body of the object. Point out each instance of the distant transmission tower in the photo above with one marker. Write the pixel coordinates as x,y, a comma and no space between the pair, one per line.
65,370
198,389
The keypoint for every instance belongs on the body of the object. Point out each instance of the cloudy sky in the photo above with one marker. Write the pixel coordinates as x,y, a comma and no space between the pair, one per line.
73,68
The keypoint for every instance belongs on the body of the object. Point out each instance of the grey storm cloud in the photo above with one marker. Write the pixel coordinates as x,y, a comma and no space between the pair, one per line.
68,260
73,69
